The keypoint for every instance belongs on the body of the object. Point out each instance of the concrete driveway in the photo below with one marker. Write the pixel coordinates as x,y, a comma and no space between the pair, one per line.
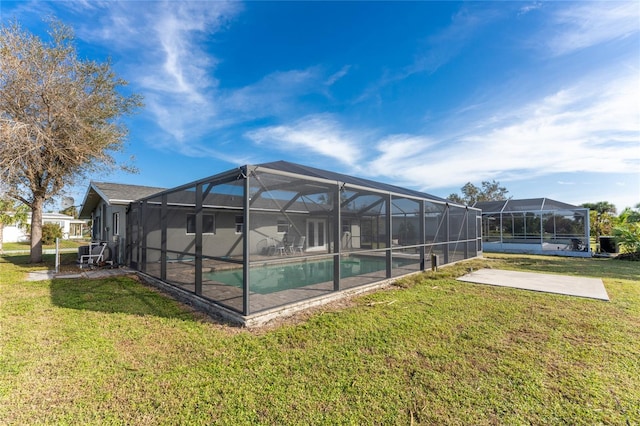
561,284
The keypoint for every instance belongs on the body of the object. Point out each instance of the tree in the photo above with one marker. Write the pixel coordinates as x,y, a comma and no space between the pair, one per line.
70,211
601,216
11,212
627,233
58,117
490,191
628,236
630,215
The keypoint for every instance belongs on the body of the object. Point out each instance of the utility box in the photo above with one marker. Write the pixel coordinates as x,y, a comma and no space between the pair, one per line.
609,245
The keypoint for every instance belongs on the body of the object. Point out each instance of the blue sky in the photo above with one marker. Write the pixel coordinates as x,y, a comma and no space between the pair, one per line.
543,97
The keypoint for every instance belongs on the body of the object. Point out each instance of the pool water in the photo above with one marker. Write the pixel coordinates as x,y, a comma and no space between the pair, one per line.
273,278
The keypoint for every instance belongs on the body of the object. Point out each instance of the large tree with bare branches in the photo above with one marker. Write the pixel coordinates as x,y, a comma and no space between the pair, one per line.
59,117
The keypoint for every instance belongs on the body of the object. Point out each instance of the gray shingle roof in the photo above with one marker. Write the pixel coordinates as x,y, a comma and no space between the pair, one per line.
113,193
117,192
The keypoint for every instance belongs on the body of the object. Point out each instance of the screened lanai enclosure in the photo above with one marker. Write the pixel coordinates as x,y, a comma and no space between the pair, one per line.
266,236
538,226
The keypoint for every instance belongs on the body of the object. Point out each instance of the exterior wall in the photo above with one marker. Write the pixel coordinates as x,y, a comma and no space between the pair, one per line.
225,242
14,234
109,225
109,222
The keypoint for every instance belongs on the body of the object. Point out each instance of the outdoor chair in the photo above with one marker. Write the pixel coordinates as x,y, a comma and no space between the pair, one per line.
299,246
281,248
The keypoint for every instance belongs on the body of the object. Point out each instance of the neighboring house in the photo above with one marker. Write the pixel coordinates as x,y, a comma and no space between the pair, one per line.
536,226
106,205
71,228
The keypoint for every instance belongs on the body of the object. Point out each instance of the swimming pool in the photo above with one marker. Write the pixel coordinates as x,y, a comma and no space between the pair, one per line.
272,278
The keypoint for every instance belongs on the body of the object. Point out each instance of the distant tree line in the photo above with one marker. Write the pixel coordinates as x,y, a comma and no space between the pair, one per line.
488,191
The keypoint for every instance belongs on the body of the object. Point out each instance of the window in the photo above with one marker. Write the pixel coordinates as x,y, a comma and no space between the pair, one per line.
208,224
283,226
116,224
239,224
75,230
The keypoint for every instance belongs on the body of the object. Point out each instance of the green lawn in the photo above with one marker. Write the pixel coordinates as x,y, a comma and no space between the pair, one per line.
24,246
430,350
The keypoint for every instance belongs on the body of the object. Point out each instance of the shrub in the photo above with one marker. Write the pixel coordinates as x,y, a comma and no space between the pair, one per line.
628,235
51,231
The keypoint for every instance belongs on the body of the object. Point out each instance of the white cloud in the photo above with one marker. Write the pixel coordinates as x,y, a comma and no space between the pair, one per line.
166,60
274,93
529,7
338,75
588,127
398,149
585,24
316,133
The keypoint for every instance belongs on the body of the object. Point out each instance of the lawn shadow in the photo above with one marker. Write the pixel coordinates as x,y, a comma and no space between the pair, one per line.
48,260
119,294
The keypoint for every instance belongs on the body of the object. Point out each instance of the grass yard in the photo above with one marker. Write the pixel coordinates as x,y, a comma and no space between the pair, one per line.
26,246
430,350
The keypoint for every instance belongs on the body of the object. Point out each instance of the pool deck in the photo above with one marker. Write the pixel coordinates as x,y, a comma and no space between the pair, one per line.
592,288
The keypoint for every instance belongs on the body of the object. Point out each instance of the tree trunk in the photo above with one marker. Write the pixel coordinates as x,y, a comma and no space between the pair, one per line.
36,230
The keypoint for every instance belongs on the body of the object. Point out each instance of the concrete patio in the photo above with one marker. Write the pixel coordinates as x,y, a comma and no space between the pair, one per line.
592,288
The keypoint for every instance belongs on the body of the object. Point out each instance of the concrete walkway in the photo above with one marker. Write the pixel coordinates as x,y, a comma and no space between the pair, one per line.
89,273
561,284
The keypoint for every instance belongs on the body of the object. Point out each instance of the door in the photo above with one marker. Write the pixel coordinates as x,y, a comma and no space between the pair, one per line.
316,235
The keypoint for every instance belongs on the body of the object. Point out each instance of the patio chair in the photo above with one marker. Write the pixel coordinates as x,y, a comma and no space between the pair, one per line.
299,246
281,248
275,246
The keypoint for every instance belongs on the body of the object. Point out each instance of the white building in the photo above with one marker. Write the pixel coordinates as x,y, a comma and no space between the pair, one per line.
71,228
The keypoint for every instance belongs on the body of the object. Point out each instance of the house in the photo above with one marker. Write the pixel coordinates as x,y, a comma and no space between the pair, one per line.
106,205
260,238
535,226
71,228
